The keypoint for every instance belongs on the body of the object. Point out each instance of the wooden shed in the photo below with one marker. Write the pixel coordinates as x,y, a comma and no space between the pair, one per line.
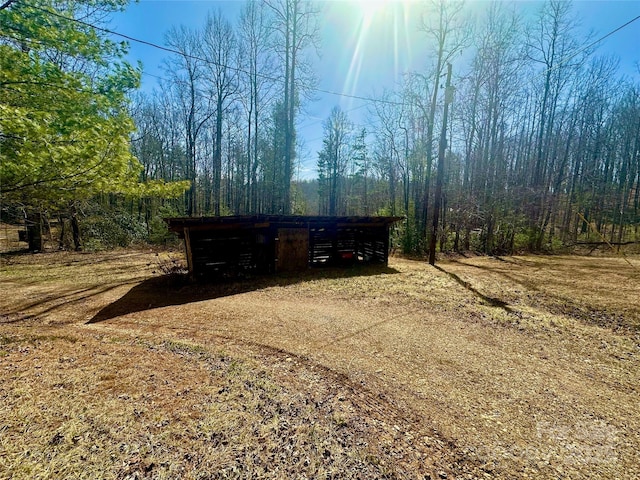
276,243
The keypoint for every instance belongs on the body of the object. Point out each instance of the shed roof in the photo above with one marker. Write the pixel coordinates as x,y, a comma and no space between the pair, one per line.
178,224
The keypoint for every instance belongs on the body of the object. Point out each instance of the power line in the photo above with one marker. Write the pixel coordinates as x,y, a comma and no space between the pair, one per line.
274,79
595,42
204,60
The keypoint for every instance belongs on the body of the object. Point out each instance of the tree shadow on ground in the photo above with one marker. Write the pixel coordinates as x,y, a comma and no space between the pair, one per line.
512,278
19,252
555,303
492,301
177,289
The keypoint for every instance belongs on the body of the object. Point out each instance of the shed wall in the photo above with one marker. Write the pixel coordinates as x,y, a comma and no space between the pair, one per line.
227,246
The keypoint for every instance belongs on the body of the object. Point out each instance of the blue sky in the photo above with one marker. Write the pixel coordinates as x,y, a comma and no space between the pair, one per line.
355,60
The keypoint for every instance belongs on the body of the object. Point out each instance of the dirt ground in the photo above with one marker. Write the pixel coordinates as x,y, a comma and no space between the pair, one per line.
512,367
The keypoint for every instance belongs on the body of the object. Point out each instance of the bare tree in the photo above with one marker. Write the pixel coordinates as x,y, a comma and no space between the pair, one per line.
186,73
445,27
295,22
390,141
493,97
552,44
220,49
259,70
543,145
333,162
362,167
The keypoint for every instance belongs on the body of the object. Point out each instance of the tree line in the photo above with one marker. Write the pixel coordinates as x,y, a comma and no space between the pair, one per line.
542,142
224,115
540,148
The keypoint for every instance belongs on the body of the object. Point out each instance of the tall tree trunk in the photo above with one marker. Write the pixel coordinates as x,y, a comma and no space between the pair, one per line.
217,161
75,229
440,175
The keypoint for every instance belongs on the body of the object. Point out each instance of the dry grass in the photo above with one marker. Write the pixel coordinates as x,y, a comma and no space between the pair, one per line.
483,368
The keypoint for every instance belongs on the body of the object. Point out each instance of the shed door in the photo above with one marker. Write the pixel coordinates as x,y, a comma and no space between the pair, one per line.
292,249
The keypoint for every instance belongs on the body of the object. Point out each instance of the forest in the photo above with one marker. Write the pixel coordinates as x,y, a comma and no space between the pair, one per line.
514,149
531,142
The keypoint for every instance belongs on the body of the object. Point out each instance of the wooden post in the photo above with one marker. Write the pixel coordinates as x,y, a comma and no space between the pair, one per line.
188,252
387,231
34,232
448,97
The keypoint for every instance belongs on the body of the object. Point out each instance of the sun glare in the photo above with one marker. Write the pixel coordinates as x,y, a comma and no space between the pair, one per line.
379,30
373,7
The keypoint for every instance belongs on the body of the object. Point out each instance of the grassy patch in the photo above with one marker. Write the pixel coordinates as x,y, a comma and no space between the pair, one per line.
166,410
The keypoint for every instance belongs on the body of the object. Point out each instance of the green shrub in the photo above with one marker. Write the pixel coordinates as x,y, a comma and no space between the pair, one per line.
521,241
158,233
108,231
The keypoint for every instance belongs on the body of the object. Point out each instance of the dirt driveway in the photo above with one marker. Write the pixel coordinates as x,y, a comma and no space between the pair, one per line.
481,368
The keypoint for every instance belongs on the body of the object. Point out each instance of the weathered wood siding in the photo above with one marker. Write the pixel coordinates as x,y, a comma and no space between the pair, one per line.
292,249
228,246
